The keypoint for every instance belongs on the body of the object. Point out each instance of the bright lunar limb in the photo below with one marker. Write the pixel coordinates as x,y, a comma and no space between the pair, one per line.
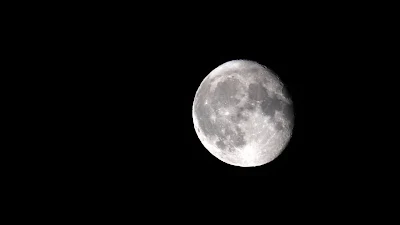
242,114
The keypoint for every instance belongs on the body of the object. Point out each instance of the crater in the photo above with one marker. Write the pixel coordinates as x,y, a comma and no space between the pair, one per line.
239,115
279,126
221,145
232,72
230,139
230,149
239,140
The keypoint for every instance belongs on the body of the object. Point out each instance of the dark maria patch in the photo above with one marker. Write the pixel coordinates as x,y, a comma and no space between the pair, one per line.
225,92
257,92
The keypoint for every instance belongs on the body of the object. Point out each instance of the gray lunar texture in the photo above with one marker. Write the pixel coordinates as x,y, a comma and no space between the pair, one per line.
242,114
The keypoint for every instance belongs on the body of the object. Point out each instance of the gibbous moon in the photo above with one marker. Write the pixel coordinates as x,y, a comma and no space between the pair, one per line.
242,114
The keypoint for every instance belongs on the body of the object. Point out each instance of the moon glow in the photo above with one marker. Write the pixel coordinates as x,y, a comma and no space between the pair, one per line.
242,114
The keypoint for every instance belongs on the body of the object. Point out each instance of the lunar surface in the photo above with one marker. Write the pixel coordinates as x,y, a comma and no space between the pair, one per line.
242,114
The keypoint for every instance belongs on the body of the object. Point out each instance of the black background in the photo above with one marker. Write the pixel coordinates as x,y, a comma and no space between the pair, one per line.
131,83
145,90
104,104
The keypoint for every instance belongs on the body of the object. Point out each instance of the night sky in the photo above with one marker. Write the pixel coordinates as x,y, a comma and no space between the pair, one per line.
141,87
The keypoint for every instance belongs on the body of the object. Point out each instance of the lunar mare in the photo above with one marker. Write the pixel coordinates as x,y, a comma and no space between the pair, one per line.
242,114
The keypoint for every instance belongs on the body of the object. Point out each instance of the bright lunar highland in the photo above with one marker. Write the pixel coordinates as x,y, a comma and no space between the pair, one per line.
242,114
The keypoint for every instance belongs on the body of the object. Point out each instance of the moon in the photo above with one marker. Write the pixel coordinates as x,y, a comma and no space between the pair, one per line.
242,114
